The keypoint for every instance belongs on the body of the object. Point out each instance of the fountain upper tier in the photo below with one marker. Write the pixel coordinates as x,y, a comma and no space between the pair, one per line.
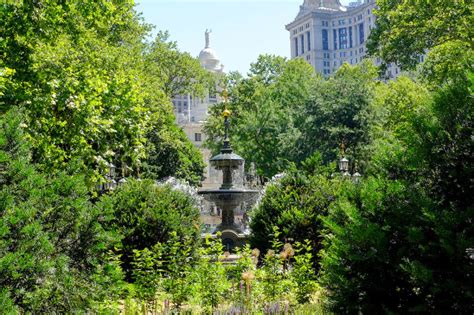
227,161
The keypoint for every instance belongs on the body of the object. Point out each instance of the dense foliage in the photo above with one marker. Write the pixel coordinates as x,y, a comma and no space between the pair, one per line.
405,30
143,214
53,249
93,90
81,87
284,112
295,204
397,242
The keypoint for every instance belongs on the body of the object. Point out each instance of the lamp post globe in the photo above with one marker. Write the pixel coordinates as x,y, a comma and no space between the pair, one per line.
344,165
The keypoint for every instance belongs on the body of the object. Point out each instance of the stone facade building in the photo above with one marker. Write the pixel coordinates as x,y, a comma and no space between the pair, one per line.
327,34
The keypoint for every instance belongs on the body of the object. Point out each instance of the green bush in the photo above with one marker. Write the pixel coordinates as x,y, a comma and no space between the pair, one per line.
143,214
391,250
295,204
53,250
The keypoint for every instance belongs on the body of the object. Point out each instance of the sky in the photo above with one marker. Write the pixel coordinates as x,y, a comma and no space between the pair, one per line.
241,29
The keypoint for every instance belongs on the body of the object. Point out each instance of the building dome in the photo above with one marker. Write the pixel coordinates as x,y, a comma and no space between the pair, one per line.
208,57
329,4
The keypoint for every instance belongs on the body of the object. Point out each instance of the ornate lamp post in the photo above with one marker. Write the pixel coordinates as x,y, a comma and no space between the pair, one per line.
344,168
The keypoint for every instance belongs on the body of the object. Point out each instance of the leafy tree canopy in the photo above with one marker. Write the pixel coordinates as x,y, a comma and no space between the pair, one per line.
94,91
405,30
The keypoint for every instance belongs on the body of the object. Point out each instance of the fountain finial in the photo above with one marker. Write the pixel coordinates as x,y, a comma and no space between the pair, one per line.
226,114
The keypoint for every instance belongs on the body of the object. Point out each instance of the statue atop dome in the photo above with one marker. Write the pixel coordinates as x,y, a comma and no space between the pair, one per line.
208,57
206,34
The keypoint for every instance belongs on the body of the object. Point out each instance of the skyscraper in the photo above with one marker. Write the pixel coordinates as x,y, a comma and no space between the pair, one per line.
327,34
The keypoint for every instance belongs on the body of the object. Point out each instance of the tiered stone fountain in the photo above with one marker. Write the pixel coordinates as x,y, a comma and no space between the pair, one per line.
228,197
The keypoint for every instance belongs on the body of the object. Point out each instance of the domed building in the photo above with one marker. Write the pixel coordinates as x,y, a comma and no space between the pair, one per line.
189,109
208,57
191,112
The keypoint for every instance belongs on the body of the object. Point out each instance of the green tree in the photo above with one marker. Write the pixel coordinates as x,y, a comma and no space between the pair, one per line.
372,258
266,113
75,72
421,166
340,113
94,91
405,30
53,248
170,153
175,72
391,248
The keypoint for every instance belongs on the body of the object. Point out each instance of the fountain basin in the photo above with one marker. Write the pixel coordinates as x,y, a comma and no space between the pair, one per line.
232,197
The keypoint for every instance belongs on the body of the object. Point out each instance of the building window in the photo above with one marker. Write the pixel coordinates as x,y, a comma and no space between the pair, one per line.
361,33
296,46
197,137
342,38
302,43
308,39
350,37
325,40
334,34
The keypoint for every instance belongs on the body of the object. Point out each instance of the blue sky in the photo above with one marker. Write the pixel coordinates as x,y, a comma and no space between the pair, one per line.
241,29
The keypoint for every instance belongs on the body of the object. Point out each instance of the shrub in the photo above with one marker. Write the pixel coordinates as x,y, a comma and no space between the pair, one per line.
144,214
294,204
53,249
388,251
